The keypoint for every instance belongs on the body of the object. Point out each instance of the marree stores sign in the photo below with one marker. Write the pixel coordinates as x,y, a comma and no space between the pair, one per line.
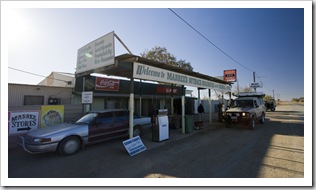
146,72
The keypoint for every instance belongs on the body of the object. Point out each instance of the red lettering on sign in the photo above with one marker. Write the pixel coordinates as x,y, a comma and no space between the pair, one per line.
107,84
166,90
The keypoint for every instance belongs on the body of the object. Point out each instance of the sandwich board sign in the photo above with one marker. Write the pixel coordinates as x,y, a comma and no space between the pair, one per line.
134,145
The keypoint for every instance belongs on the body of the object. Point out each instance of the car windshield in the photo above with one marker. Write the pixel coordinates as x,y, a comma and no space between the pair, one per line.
243,103
87,118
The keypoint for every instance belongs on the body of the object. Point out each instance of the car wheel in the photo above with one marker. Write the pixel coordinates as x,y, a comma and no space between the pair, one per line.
69,146
252,123
262,118
137,131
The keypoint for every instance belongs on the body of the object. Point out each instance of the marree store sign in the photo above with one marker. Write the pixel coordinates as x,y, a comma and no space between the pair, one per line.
23,121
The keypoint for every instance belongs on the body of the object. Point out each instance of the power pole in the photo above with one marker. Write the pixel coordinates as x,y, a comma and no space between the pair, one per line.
254,80
237,87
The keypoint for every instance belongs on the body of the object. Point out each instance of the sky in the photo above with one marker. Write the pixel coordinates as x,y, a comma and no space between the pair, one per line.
267,41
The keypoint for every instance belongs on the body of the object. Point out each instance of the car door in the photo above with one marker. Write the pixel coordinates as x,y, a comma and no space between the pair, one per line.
121,122
102,128
258,107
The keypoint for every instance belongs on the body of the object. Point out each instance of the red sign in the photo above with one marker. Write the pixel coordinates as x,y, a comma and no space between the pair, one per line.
106,84
230,75
166,90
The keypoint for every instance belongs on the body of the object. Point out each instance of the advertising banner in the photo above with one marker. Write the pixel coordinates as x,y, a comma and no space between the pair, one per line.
147,72
107,84
23,121
96,54
52,115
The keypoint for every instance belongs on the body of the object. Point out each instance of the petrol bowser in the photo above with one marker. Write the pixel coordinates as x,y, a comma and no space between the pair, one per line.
160,125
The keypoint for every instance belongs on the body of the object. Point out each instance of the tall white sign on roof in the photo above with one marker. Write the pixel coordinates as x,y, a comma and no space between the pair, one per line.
96,54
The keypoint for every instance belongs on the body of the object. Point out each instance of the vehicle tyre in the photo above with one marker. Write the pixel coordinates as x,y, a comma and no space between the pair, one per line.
137,131
262,118
252,123
69,146
272,109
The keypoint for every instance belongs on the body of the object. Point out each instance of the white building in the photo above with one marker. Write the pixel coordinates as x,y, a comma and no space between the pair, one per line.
59,79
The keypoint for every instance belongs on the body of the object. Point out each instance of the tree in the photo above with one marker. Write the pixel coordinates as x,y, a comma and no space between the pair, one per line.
301,99
267,98
162,55
236,91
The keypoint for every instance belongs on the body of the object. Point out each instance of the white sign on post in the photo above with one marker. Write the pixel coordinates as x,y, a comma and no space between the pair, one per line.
87,97
256,85
134,145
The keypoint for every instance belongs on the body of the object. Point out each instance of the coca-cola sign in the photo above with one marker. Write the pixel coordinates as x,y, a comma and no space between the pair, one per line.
107,84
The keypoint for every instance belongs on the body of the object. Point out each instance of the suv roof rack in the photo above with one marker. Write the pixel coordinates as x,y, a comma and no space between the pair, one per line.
251,94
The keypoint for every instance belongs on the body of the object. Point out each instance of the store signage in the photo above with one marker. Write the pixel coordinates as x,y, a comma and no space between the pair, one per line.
134,146
52,115
107,84
96,54
87,97
230,75
147,72
166,90
23,121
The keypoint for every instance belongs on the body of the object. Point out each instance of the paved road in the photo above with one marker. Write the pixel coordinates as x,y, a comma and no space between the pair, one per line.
273,150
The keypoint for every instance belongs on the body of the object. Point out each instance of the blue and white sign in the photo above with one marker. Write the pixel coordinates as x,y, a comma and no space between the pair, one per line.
134,145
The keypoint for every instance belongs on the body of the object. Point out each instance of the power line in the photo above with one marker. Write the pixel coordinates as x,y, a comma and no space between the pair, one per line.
39,75
210,41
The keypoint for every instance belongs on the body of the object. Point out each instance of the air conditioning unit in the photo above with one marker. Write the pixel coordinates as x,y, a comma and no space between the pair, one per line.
53,101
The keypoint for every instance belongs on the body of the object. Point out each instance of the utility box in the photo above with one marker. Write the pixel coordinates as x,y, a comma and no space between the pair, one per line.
160,126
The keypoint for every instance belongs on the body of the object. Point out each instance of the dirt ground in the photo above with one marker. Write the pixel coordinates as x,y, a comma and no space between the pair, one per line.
273,150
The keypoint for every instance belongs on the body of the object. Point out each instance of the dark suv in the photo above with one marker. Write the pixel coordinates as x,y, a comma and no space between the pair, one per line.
247,109
270,105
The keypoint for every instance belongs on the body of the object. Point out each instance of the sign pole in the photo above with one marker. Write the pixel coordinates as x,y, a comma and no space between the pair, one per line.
254,80
131,108
83,88
183,109
210,105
